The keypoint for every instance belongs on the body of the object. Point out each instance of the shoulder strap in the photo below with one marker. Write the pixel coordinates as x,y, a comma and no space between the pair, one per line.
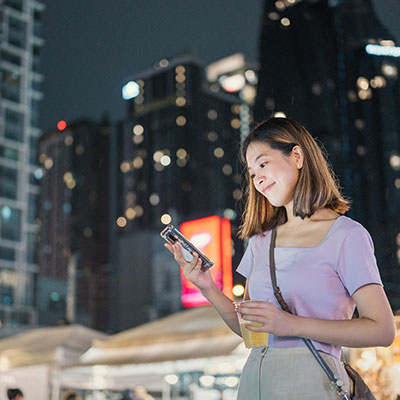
272,268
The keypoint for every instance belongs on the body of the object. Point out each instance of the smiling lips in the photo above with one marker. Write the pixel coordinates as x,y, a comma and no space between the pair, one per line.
267,188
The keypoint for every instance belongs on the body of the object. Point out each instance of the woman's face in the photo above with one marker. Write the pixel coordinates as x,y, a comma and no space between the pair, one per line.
273,174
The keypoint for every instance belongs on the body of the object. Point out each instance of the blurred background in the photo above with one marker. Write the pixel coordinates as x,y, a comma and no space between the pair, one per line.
118,119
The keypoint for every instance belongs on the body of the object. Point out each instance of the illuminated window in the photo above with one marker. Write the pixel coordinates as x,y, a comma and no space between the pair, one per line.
352,96
181,120
48,164
227,169
316,89
166,219
180,101
237,193
154,199
181,153
389,70
378,82
394,161
165,160
212,136
139,211
131,197
157,155
235,109
138,130
137,139
218,152
212,114
181,162
68,140
124,167
137,162
230,214
273,16
180,78
121,222
130,213
365,94
235,123
363,83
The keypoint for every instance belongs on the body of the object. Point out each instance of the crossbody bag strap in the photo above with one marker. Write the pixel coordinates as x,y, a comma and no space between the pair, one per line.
335,383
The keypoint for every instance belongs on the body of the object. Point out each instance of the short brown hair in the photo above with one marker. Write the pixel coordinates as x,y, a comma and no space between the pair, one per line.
317,186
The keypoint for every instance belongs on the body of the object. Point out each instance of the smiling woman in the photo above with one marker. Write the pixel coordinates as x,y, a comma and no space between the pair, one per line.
323,261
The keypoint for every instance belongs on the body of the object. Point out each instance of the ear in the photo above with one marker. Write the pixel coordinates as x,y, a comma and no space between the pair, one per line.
298,156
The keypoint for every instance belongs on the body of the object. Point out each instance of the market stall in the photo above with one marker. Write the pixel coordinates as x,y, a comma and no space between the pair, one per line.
167,355
28,360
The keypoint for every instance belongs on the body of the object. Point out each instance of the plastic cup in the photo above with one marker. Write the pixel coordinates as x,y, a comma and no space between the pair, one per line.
250,338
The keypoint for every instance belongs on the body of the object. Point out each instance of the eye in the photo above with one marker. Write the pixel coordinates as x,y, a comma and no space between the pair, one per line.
252,176
263,164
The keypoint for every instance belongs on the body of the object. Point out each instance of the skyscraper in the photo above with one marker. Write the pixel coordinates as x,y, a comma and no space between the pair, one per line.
73,215
334,67
20,81
177,155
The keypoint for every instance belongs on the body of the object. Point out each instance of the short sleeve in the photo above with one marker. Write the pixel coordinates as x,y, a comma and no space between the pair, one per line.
246,263
357,265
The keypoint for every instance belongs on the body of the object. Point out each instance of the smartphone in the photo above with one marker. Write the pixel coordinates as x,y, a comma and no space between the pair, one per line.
172,236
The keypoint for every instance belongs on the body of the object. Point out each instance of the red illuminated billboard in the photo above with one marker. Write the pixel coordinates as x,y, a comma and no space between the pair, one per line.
211,235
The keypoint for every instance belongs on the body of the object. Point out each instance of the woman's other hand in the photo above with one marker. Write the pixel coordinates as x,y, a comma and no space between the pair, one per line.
273,319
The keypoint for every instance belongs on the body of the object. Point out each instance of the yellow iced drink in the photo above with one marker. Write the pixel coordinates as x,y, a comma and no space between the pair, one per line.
253,339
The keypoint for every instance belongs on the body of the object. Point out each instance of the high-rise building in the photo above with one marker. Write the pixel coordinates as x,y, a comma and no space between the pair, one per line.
74,219
20,94
333,66
177,155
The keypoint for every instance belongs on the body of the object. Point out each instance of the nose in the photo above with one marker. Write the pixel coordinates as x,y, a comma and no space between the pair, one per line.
260,179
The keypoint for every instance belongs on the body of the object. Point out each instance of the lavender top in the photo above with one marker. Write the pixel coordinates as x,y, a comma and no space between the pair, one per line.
316,282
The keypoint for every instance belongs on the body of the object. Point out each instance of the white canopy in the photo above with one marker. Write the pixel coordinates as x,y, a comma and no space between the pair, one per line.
62,345
195,333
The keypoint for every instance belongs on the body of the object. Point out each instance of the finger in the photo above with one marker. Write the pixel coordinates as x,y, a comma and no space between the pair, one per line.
254,304
257,328
181,260
254,318
169,248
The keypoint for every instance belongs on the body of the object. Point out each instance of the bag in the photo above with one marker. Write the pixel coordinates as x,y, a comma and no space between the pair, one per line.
360,389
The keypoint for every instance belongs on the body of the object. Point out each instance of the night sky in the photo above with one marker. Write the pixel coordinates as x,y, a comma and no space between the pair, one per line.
93,46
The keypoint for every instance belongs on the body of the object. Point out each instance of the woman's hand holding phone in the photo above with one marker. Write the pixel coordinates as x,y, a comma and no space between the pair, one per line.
191,270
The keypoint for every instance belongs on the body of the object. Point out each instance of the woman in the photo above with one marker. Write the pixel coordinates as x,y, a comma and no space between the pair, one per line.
325,267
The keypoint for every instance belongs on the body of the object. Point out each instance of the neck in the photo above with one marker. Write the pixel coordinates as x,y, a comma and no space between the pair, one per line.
291,219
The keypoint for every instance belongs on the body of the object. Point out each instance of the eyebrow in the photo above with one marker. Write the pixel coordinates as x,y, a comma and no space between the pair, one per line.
257,158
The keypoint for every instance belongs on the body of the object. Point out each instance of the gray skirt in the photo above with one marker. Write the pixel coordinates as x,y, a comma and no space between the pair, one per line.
286,374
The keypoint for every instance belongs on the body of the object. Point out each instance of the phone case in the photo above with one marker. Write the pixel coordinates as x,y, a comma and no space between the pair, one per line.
172,236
